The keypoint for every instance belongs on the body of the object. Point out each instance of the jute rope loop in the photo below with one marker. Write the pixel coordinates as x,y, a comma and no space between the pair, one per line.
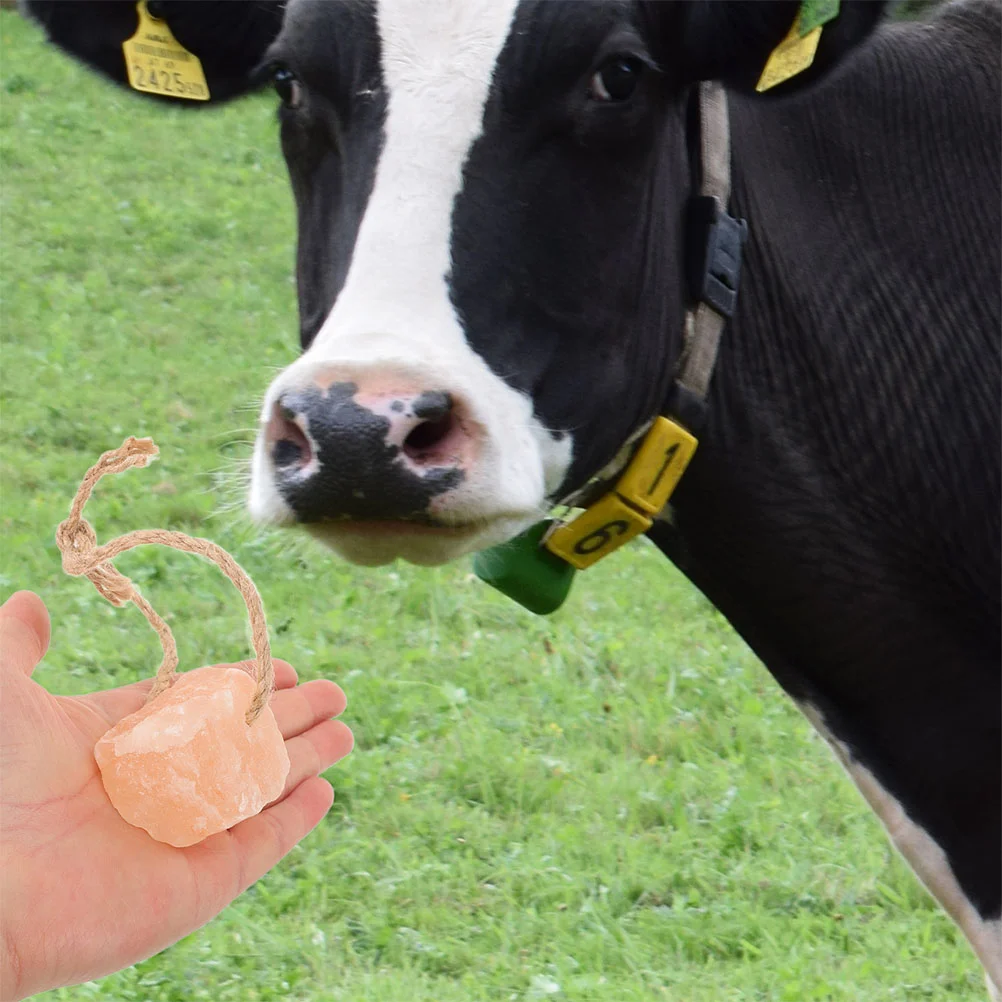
83,557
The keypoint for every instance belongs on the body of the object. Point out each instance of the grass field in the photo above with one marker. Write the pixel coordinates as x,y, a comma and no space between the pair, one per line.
616,803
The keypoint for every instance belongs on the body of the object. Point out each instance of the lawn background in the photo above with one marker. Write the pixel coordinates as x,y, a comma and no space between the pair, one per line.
614,803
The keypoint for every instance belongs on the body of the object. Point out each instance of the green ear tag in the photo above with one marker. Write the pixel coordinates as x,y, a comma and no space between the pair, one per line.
815,13
527,572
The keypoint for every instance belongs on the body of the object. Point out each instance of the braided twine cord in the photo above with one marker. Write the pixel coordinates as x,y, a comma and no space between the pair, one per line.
82,556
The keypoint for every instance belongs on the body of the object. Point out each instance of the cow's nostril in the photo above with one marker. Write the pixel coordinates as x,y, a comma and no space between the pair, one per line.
426,436
289,453
290,446
438,421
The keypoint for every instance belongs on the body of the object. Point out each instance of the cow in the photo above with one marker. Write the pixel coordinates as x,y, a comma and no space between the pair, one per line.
496,245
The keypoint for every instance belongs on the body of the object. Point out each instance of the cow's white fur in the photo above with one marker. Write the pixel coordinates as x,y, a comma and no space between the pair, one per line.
394,319
923,854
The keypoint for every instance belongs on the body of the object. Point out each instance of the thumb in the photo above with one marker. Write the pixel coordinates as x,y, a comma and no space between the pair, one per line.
24,631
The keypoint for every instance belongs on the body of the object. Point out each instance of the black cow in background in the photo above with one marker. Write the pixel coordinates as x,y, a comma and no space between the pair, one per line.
492,201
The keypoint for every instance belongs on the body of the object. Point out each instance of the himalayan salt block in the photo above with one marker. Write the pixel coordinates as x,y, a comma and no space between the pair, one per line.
188,765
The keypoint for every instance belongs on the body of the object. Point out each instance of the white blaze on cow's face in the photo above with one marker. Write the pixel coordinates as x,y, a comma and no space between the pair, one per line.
447,457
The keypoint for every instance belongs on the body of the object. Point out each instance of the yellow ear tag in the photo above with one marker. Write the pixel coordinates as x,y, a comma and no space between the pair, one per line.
158,64
792,56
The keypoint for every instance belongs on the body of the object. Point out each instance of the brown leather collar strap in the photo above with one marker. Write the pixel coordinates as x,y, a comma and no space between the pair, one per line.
704,324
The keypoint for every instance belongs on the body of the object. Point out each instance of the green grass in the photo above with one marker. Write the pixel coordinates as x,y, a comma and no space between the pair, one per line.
616,803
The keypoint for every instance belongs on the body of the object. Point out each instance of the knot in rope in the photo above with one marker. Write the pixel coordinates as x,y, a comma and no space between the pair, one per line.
78,543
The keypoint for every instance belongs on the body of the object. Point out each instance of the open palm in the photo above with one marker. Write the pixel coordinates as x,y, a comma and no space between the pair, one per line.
83,893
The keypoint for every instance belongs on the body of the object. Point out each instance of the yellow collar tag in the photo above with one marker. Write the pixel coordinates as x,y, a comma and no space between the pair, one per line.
629,508
158,64
792,56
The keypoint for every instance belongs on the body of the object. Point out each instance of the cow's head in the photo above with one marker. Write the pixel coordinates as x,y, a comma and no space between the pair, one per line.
490,196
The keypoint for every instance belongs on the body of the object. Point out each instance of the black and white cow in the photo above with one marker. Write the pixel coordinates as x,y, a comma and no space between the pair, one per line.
491,262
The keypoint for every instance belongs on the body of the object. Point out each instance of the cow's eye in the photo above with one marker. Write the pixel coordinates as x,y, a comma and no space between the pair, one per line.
616,79
287,86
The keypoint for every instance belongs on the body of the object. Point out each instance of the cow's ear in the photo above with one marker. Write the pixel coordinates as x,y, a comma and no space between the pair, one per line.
229,37
733,41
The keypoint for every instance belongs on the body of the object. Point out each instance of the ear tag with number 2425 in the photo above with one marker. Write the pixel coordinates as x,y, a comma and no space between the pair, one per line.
157,63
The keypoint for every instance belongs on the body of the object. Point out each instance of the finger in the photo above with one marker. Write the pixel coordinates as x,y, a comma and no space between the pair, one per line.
285,674
261,841
316,750
24,631
297,710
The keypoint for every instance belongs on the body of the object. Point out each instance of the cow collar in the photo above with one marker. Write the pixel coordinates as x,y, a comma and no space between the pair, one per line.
537,568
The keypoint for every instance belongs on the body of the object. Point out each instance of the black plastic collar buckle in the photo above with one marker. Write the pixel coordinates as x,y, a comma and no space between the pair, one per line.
714,252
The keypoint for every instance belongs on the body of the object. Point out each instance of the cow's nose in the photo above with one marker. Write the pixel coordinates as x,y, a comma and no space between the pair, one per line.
345,452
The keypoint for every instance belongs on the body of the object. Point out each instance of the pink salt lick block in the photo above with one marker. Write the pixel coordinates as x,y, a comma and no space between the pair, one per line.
188,765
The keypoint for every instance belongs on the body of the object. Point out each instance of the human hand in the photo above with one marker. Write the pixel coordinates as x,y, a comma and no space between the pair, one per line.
83,893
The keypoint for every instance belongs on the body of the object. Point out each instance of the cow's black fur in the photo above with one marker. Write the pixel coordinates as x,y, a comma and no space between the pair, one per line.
844,512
